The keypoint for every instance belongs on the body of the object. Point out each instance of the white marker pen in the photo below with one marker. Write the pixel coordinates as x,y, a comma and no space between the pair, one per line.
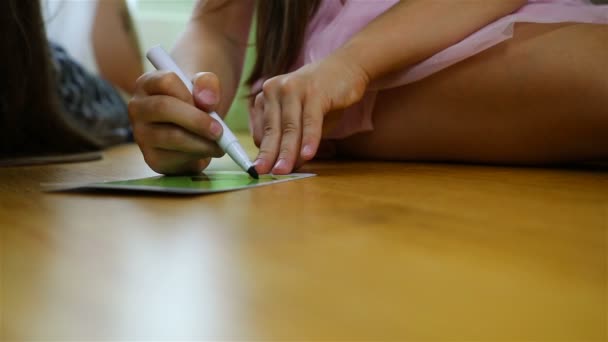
228,142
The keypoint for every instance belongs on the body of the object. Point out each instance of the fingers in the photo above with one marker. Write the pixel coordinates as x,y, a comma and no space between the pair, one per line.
173,138
163,83
166,109
174,163
174,135
312,127
207,92
257,119
257,116
291,134
168,149
287,125
271,133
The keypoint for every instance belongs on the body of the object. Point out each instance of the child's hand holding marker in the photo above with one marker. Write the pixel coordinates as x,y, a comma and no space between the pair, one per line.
204,97
172,127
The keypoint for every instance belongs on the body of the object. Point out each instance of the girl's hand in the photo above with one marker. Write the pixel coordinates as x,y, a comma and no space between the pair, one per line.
288,113
171,126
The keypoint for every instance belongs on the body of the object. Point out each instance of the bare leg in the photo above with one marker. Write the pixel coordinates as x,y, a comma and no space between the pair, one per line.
540,97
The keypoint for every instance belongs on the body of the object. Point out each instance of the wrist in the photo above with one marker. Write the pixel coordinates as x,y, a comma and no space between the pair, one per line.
353,66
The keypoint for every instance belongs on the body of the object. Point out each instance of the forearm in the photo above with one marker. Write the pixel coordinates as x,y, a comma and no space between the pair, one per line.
215,40
413,30
115,45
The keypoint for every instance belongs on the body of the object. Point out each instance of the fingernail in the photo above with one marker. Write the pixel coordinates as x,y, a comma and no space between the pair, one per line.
280,166
259,163
216,129
307,151
207,97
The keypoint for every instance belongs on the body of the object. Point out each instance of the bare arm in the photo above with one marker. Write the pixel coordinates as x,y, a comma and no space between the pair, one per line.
215,40
116,45
293,106
413,30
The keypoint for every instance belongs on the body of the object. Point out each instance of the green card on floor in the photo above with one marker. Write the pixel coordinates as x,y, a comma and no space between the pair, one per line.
208,182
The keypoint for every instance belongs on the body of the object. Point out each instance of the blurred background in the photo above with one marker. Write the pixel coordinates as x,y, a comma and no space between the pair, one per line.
161,22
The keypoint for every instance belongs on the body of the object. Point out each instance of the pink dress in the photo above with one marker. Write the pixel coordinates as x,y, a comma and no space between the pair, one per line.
335,23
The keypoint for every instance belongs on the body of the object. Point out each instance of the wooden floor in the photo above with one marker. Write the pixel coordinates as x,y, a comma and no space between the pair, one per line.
363,251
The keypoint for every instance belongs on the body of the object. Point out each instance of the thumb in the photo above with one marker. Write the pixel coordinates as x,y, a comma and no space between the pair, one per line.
206,91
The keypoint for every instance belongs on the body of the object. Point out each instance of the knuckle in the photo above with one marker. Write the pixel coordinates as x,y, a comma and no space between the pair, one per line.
269,131
259,97
311,122
290,127
264,152
288,85
167,82
312,93
270,84
259,101
312,87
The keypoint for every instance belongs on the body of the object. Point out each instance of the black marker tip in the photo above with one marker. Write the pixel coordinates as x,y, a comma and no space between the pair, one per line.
253,173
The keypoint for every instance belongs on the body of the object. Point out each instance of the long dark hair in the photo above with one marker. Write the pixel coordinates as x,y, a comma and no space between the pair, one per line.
30,117
281,26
